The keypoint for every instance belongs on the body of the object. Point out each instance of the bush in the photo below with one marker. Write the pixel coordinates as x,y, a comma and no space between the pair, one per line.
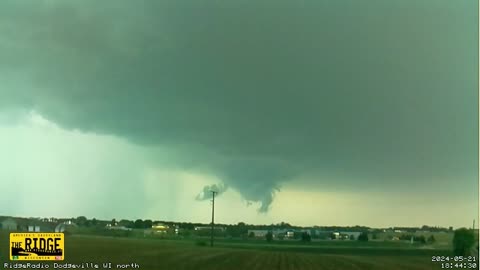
201,243
463,241
185,233
363,237
306,237
269,236
420,239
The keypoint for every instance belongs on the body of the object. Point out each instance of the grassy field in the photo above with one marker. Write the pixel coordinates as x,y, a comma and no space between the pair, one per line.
227,254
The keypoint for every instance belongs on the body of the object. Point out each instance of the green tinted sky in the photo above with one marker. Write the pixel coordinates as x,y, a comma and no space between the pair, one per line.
315,112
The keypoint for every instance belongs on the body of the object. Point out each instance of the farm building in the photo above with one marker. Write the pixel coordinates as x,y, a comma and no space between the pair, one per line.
279,233
9,224
39,226
209,228
160,227
33,228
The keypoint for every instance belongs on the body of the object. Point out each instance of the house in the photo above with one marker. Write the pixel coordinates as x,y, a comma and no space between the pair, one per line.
349,235
290,234
9,224
335,235
258,233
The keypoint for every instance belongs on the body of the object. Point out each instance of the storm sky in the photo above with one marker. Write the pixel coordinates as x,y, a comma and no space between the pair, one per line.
309,112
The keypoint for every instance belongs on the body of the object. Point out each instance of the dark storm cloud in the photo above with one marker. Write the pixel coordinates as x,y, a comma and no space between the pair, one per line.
368,92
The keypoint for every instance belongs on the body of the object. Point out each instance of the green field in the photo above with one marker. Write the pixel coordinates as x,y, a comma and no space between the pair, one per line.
230,254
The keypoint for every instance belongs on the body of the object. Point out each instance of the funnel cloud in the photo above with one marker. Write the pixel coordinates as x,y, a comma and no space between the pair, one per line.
207,191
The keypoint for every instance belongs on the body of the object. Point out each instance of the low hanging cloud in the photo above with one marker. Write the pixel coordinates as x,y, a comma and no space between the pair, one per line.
206,194
258,93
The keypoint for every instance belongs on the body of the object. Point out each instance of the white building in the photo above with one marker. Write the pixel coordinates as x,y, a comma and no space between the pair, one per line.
33,228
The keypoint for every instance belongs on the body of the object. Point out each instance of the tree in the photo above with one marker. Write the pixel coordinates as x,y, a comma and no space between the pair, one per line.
139,224
352,237
126,223
431,239
285,225
148,223
420,239
114,222
185,233
463,241
94,222
363,237
374,236
306,237
81,221
251,235
269,237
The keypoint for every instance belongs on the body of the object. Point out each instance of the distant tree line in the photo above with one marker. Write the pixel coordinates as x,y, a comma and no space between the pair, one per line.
137,224
423,228
241,229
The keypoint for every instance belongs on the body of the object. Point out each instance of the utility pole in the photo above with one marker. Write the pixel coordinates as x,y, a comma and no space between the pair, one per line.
213,215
